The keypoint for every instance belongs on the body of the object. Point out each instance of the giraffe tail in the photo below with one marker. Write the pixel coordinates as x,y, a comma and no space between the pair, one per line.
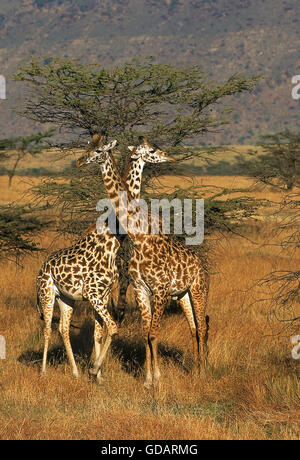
207,328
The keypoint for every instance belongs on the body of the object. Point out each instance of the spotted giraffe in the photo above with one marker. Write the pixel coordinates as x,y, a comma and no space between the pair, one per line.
160,267
133,178
86,270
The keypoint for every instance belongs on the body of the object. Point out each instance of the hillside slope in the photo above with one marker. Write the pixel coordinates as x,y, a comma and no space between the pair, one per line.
222,36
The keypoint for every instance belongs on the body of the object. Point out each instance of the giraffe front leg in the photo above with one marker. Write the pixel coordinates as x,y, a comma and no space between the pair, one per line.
159,304
48,313
199,293
98,335
144,305
186,305
100,306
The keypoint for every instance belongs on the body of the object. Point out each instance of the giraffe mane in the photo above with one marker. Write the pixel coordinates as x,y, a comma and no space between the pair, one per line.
128,164
91,229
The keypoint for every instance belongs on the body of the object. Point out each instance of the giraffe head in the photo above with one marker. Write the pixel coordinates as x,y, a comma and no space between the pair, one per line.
148,153
96,151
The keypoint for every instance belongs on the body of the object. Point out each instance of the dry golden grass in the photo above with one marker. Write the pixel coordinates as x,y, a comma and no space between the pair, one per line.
251,390
18,189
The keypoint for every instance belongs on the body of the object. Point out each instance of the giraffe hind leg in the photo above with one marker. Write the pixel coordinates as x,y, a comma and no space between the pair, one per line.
66,311
187,307
98,336
46,299
199,293
159,304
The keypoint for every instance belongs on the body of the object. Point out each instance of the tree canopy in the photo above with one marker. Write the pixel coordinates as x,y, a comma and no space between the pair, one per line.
167,104
170,106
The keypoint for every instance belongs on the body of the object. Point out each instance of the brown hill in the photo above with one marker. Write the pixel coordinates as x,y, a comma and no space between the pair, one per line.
222,36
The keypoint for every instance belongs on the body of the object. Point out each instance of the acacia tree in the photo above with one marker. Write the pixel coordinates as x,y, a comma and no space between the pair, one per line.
168,105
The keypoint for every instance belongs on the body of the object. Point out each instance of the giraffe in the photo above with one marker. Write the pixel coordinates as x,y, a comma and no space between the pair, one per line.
133,179
161,266
86,270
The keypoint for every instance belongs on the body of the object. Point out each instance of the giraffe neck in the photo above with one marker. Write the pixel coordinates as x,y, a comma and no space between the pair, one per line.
114,183
133,177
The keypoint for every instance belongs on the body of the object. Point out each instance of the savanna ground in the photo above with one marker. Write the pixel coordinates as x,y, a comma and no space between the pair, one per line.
251,390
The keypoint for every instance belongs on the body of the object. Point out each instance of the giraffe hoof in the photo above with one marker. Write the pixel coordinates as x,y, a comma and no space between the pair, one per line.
203,373
148,384
99,380
93,371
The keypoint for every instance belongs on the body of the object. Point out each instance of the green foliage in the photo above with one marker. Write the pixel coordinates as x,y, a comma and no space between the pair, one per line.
74,199
222,215
168,105
19,224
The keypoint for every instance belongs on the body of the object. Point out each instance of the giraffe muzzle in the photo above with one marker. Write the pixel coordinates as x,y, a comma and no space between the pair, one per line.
170,159
80,162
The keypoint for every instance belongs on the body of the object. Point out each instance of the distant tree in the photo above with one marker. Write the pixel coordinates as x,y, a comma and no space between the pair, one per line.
15,150
279,163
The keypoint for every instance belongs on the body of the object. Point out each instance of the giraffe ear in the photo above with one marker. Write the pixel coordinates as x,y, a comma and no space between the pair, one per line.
143,140
97,139
131,148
